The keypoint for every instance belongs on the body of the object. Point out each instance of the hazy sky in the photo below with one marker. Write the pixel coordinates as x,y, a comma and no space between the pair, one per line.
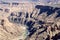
21,0
44,1
25,0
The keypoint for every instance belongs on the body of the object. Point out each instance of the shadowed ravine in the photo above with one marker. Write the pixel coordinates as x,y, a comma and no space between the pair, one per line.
43,23
38,20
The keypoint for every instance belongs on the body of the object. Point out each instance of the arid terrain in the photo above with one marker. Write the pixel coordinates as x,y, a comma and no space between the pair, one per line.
29,21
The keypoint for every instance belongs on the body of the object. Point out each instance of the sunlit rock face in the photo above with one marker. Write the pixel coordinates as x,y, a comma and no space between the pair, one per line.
40,15
28,21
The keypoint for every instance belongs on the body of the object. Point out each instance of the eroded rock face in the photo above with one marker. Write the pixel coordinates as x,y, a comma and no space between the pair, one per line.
10,31
30,25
